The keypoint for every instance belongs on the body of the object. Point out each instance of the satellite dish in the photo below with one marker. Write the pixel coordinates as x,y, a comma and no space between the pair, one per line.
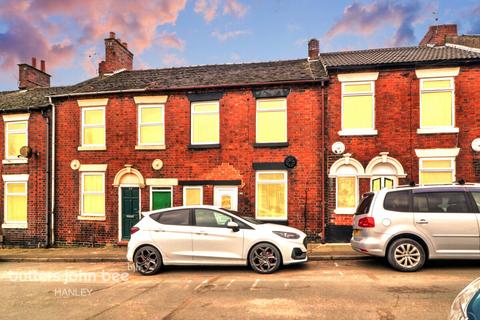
157,164
75,164
476,144
290,162
338,147
26,152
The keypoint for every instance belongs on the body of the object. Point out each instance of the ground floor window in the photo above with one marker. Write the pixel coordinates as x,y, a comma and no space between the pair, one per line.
271,195
378,183
160,197
192,196
347,190
93,194
15,201
437,170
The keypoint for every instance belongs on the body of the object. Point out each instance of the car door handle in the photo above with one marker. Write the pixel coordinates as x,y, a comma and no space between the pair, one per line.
158,230
421,221
201,233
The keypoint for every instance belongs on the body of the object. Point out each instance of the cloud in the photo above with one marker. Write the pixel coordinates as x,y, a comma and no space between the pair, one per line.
209,8
172,60
475,20
170,40
43,28
366,19
224,36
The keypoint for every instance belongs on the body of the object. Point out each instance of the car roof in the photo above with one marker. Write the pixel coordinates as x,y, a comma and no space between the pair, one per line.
443,187
146,213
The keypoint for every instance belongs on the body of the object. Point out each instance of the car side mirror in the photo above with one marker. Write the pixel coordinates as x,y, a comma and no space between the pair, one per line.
233,225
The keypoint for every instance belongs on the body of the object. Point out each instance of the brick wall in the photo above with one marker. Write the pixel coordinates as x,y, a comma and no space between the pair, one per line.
237,137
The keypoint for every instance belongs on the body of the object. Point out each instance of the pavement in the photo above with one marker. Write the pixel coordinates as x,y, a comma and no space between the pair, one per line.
330,289
316,252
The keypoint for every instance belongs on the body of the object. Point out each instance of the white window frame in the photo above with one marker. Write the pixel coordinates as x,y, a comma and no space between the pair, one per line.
192,112
154,189
344,210
284,182
436,129
15,159
84,126
140,124
382,180
359,131
271,110
14,178
192,187
452,169
232,189
82,192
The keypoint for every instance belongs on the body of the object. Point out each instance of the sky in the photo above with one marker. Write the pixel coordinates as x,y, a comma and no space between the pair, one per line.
68,34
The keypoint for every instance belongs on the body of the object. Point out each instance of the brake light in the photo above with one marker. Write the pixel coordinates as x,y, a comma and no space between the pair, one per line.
134,229
366,222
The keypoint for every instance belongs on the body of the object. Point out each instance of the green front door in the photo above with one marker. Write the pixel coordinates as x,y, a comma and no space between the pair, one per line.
161,199
130,210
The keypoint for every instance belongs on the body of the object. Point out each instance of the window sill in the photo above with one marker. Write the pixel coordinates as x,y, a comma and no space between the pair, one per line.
437,130
358,132
88,148
14,161
92,218
204,146
18,225
159,147
344,211
271,145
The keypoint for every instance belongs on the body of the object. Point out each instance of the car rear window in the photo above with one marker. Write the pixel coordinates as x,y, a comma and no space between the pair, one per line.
364,205
175,217
397,201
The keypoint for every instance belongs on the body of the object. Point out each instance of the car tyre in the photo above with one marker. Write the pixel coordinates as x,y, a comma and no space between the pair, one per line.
265,258
406,255
148,260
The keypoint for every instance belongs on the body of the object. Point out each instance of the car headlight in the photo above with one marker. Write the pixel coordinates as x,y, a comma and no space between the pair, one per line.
287,235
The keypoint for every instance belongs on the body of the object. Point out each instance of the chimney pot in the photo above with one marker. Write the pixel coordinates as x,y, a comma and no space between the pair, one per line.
112,35
42,65
313,49
34,62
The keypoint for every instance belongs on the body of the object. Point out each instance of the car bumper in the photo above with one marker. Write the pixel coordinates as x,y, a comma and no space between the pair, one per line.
370,246
294,253
130,252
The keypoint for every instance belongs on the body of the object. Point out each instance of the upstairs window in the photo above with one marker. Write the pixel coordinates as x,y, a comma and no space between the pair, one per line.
271,121
93,127
205,123
16,136
437,103
437,171
358,107
151,125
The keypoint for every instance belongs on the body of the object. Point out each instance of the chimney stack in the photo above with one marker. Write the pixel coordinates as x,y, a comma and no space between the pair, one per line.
313,49
30,77
437,34
117,56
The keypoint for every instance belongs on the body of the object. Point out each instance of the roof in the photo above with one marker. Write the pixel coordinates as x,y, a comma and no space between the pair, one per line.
208,76
395,56
28,99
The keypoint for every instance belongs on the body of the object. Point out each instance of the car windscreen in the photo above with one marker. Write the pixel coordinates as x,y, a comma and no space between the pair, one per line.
364,205
249,219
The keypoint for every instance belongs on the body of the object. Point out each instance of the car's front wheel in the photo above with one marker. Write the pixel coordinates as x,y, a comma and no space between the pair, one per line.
406,255
265,258
148,260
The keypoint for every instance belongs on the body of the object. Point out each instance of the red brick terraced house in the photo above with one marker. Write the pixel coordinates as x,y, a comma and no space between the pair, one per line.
242,136
400,115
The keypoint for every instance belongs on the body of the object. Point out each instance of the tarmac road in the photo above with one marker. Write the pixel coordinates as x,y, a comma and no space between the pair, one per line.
363,289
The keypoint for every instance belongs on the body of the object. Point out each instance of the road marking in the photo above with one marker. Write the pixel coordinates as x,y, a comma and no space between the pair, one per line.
201,284
336,264
340,273
230,283
188,284
285,285
254,285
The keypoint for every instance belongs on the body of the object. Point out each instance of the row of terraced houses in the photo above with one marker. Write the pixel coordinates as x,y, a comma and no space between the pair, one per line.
294,142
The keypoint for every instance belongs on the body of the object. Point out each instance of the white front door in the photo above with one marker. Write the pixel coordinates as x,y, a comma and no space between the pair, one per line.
226,197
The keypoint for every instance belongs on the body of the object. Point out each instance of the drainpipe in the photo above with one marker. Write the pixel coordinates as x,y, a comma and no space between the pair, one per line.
52,175
323,162
47,179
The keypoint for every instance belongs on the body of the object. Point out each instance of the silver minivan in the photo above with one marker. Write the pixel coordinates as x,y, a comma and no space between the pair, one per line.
412,224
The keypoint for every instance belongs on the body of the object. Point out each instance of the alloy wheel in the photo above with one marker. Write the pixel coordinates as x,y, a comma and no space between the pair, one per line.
265,258
407,255
147,260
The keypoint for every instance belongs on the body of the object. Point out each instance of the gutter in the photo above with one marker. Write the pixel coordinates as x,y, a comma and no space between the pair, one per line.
323,164
51,234
47,180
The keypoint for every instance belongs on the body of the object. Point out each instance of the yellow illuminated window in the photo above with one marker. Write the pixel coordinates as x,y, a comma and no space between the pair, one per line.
436,103
205,123
379,183
93,126
192,196
93,194
16,137
357,105
346,192
437,171
271,120
271,198
151,129
16,202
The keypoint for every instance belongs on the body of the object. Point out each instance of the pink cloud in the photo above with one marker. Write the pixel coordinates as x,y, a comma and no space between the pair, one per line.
170,39
209,8
234,8
224,36
172,60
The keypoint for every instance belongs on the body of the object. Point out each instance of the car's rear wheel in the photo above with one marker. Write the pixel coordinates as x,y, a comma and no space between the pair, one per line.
406,255
265,258
148,260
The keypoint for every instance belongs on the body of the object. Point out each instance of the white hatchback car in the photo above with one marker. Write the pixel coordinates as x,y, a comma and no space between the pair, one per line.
207,235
